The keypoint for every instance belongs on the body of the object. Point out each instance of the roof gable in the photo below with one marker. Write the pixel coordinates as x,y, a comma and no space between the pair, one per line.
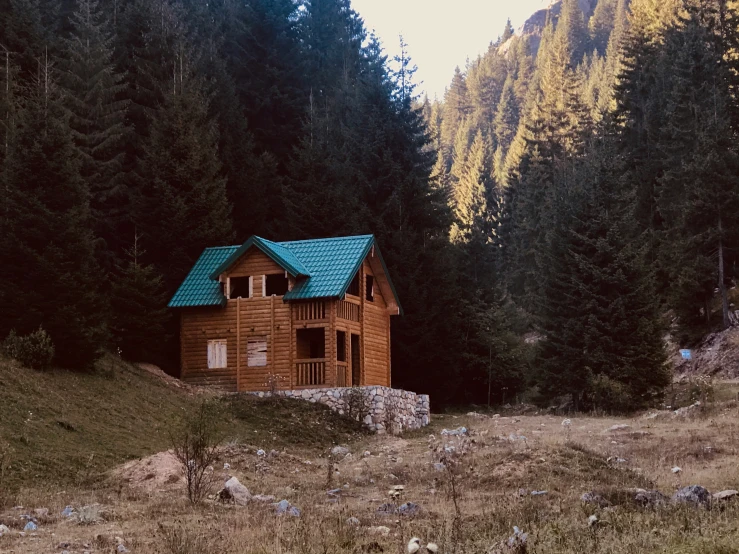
279,254
323,268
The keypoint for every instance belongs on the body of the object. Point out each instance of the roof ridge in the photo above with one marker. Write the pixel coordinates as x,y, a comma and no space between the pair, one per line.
327,239
221,247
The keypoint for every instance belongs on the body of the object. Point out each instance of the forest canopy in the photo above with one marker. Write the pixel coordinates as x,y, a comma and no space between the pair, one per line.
580,195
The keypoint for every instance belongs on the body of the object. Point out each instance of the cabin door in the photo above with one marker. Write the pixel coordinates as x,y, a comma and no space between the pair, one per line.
356,361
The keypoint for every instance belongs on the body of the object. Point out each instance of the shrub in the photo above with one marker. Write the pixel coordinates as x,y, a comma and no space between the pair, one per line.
34,350
357,404
610,395
196,448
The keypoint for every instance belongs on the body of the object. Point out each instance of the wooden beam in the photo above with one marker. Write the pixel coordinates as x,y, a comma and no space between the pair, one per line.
238,343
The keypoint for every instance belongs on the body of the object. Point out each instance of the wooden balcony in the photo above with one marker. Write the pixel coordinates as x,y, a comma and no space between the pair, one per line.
311,372
310,311
347,310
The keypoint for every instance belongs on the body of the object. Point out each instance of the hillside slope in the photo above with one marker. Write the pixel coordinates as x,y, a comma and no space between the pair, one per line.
65,427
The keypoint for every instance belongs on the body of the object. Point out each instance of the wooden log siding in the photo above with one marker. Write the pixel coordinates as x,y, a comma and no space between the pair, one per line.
242,321
347,310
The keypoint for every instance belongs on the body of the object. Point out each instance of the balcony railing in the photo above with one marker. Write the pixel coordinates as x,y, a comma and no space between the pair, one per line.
311,373
347,310
305,311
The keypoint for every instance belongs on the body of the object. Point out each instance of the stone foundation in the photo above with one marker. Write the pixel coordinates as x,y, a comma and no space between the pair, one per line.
384,409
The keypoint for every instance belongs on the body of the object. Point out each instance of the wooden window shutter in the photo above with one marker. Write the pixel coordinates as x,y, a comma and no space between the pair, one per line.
217,354
256,352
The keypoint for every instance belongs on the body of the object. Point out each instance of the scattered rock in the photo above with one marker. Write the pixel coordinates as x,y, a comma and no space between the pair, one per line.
592,520
386,509
617,428
438,466
408,509
284,507
121,549
238,492
379,530
538,493
648,497
616,460
226,466
261,453
566,422
687,410
676,469
455,432
366,454
334,492
263,498
692,494
339,451
517,542
594,498
353,521
719,496
30,526
4,530
513,437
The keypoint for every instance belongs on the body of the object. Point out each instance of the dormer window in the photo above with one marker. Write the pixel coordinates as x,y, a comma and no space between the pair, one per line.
276,285
241,287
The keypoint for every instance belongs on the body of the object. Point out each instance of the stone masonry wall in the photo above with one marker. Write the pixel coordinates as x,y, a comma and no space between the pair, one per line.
386,409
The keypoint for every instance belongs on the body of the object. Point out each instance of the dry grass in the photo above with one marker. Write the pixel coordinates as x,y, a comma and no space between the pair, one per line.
495,481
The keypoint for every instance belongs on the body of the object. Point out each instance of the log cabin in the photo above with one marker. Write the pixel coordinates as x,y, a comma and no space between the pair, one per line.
290,315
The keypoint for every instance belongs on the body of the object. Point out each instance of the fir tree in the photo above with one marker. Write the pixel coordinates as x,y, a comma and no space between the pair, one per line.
506,117
97,117
182,200
138,301
50,277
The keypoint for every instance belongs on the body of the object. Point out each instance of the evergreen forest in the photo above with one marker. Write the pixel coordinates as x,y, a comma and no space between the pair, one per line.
567,203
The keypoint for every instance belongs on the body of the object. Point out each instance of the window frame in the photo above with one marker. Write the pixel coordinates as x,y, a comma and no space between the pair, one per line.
255,340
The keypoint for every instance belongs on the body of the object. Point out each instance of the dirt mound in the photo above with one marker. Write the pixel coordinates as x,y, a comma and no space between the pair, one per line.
717,355
156,472
169,379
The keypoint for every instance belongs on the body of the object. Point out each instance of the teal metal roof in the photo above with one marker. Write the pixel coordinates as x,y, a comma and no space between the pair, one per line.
280,255
198,289
332,264
323,268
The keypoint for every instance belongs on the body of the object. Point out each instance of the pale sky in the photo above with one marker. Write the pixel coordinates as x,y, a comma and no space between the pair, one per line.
442,34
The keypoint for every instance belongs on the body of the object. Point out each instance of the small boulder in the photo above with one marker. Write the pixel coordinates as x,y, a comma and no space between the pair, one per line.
386,509
538,493
676,469
409,509
353,521
648,497
339,451
438,466
592,520
30,526
617,428
121,549
725,495
379,530
4,530
284,507
595,499
459,431
236,492
68,511
693,494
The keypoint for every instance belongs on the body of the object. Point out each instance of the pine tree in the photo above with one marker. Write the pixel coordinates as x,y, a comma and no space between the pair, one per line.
571,27
50,277
601,24
456,109
182,205
97,117
603,342
138,300
472,188
506,117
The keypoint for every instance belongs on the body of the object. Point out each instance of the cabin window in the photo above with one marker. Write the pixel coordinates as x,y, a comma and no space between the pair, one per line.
276,285
256,352
354,286
311,343
241,287
340,346
370,288
217,354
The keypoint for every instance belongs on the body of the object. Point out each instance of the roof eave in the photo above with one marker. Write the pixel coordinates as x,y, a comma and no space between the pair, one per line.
256,241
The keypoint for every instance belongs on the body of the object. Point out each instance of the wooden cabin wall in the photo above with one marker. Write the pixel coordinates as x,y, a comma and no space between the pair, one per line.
376,333
255,263
197,327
